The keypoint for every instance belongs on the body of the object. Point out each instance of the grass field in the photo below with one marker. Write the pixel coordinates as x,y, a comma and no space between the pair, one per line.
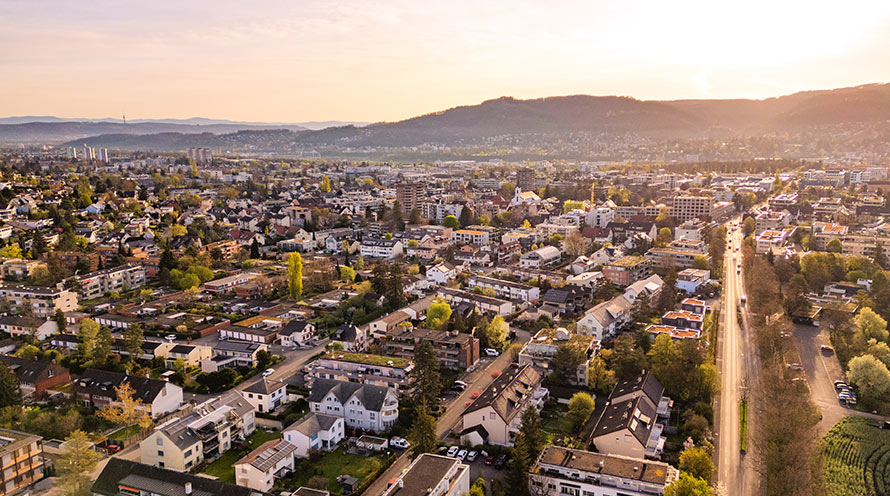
124,433
223,467
743,425
856,458
336,463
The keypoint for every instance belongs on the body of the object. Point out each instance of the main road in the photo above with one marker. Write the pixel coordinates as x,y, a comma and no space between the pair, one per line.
738,364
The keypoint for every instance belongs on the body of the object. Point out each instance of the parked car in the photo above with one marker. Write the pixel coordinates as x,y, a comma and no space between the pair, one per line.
492,352
795,366
826,349
500,462
398,442
459,385
442,450
268,372
112,448
838,385
452,451
472,456
462,454
489,460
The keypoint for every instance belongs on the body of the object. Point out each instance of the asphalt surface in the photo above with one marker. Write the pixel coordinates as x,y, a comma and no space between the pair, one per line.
737,362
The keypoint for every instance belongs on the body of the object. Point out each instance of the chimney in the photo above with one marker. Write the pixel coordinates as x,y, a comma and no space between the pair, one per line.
188,488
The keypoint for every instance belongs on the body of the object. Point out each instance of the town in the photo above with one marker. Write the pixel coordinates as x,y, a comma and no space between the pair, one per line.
194,323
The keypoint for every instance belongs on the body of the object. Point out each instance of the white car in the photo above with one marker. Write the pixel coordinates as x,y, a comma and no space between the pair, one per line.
462,454
268,372
492,352
472,456
398,442
452,451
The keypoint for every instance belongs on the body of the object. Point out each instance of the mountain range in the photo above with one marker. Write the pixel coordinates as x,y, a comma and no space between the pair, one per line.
502,120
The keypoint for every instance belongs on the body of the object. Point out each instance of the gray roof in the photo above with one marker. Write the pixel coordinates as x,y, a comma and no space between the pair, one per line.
635,415
372,397
313,423
160,481
264,387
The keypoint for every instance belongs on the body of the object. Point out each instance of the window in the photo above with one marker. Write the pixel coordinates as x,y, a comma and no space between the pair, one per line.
187,453
160,453
160,441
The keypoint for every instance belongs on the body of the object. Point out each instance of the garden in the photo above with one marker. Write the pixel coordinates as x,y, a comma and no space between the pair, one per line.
223,467
321,470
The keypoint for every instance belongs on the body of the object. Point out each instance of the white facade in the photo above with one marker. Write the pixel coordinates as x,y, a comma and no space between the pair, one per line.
314,432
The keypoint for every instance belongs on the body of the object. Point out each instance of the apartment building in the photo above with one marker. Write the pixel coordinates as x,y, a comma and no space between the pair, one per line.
44,301
362,406
271,460
363,368
600,217
470,236
381,248
768,240
700,207
234,354
494,417
627,270
539,258
674,258
122,477
771,220
22,457
265,395
690,280
201,435
19,269
485,304
543,346
409,194
505,289
454,350
229,283
113,280
575,472
98,388
432,475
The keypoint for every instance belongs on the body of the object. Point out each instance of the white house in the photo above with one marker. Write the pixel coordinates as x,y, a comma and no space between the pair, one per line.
505,289
258,470
541,257
296,333
315,431
362,406
441,273
265,395
381,248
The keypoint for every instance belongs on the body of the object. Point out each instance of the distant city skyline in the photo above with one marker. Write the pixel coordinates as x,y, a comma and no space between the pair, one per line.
283,61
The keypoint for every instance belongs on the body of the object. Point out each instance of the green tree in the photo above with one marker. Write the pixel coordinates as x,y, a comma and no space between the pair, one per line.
76,462
870,375
466,216
697,462
254,249
295,276
451,221
530,434
664,237
517,472
880,256
667,299
325,186
627,360
688,485
834,246
569,205
565,362
60,320
871,325
422,436
581,406
263,359
701,263
438,314
104,343
415,217
133,339
87,340
11,251
748,226
425,378
599,377
347,273
10,394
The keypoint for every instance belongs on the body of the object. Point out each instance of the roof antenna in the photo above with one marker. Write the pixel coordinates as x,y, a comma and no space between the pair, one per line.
125,118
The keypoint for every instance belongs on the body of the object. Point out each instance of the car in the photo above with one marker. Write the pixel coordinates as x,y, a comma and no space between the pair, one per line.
462,454
492,352
268,372
838,385
826,349
489,460
452,451
170,337
398,442
738,271
459,385
442,450
112,448
472,456
500,462
794,366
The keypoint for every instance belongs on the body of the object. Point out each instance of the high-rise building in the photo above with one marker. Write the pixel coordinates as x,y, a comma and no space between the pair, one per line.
200,155
22,453
102,154
88,152
525,179
408,195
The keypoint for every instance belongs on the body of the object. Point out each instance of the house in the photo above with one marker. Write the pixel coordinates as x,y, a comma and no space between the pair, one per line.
543,346
383,325
265,395
690,280
271,460
454,350
44,301
485,304
191,354
28,327
125,477
296,333
539,258
362,406
568,298
116,279
694,305
364,368
315,431
441,273
432,475
494,417
97,388
258,329
505,289
201,435
34,376
560,470
233,354
606,318
473,255
22,455
381,248
629,426
229,283
470,237
589,280
627,270
350,337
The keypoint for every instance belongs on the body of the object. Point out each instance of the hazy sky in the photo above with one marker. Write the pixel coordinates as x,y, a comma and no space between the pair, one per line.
297,60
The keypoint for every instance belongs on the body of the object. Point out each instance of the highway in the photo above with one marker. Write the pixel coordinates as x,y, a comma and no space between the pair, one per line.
737,362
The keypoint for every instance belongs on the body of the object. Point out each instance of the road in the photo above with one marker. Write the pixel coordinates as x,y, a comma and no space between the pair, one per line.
477,380
737,362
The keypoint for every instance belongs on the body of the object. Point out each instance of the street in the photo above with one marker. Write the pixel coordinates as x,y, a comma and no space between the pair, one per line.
736,361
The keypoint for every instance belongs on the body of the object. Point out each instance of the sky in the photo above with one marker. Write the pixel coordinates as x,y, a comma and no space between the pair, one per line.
300,60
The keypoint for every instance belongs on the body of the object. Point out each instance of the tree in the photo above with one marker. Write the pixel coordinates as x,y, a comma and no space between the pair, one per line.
398,219
580,407
565,363
451,221
438,314
627,360
75,464
688,485
599,377
60,320
796,301
667,299
517,473
87,337
295,276
414,217
569,205
10,394
423,432
576,244
880,256
871,325
870,375
104,346
701,262
263,359
492,334
254,249
697,462
879,350
834,246
133,339
664,237
425,378
748,226
325,186
11,251
38,244
127,410
466,216
347,273
530,434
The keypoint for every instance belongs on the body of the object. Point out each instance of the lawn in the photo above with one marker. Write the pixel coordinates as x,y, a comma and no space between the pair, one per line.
555,421
124,433
223,468
336,463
